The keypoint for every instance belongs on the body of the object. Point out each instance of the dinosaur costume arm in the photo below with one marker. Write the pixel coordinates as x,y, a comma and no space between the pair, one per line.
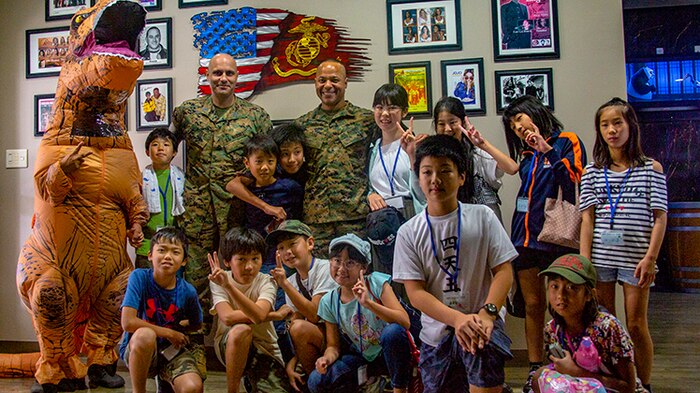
52,183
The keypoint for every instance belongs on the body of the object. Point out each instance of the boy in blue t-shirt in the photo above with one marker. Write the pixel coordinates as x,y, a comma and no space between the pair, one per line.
290,141
158,310
261,161
163,187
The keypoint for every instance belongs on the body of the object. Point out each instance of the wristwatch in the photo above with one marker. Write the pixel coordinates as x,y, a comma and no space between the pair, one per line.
491,309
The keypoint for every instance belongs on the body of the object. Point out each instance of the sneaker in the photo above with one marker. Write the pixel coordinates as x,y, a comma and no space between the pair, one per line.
527,388
98,375
45,388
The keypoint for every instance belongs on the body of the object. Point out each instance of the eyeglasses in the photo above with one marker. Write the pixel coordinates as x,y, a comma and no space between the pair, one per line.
349,264
388,108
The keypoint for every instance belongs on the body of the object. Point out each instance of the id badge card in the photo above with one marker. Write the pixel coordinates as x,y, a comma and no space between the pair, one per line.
452,299
362,375
170,352
521,205
611,237
395,201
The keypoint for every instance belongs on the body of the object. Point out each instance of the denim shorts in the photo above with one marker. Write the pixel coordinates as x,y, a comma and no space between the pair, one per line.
447,367
610,274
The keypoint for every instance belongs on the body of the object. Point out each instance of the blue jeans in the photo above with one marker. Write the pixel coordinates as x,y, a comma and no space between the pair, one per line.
341,376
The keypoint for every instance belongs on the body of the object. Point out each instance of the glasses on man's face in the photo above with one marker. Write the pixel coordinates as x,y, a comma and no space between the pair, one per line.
388,108
349,264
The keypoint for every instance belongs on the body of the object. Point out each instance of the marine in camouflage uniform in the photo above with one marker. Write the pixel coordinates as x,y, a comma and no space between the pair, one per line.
214,140
337,134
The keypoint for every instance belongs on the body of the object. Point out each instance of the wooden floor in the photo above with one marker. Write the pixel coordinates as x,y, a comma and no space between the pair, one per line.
675,329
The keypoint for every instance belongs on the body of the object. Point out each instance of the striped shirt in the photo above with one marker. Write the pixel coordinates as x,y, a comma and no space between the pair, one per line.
644,191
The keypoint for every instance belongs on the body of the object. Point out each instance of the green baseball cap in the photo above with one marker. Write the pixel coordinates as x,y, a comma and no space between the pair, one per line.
289,226
573,267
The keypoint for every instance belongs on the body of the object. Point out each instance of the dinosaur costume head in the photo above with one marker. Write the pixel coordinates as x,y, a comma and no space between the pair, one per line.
98,75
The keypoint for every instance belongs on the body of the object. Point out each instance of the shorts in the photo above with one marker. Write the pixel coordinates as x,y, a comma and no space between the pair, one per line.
448,366
528,258
192,359
264,372
621,276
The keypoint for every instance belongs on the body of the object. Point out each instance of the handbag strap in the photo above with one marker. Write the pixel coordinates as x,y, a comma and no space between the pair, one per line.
560,193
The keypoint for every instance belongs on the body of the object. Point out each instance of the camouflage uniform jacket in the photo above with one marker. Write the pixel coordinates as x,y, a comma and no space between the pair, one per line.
337,146
214,154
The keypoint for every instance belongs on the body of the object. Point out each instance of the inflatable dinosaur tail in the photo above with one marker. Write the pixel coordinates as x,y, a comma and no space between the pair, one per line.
18,365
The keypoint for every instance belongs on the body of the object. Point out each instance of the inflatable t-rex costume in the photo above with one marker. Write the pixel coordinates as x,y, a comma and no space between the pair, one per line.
73,269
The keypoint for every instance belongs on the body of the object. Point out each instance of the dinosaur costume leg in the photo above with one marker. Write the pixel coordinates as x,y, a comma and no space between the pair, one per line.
53,300
101,339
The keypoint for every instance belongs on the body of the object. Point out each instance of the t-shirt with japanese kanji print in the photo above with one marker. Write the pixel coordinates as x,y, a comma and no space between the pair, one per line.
159,306
607,334
484,245
364,328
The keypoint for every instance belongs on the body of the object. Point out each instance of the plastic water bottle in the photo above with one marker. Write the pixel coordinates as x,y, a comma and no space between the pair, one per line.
586,356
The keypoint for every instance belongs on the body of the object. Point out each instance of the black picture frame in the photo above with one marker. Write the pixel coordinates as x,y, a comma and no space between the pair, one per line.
41,61
453,84
51,12
144,120
165,54
199,3
43,103
416,79
515,83
525,32
152,5
441,17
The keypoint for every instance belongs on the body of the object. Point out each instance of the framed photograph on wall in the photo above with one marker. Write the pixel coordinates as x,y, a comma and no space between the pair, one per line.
152,5
154,103
423,26
200,3
525,29
156,43
46,49
513,84
464,80
415,78
43,103
57,10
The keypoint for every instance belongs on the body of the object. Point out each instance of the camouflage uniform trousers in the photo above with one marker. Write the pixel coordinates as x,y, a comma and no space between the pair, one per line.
325,232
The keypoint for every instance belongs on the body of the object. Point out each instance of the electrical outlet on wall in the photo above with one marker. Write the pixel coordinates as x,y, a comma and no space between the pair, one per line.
16,158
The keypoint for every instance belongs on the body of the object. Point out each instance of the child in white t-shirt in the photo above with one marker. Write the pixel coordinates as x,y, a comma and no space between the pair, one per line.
453,260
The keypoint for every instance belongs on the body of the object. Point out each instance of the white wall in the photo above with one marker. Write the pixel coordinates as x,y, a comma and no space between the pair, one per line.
589,72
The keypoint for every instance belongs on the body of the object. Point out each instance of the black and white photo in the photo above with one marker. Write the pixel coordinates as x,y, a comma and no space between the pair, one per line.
155,43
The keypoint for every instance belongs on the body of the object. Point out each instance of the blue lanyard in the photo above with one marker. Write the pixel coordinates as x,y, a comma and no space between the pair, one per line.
393,171
453,277
313,260
164,194
613,206
530,173
359,319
